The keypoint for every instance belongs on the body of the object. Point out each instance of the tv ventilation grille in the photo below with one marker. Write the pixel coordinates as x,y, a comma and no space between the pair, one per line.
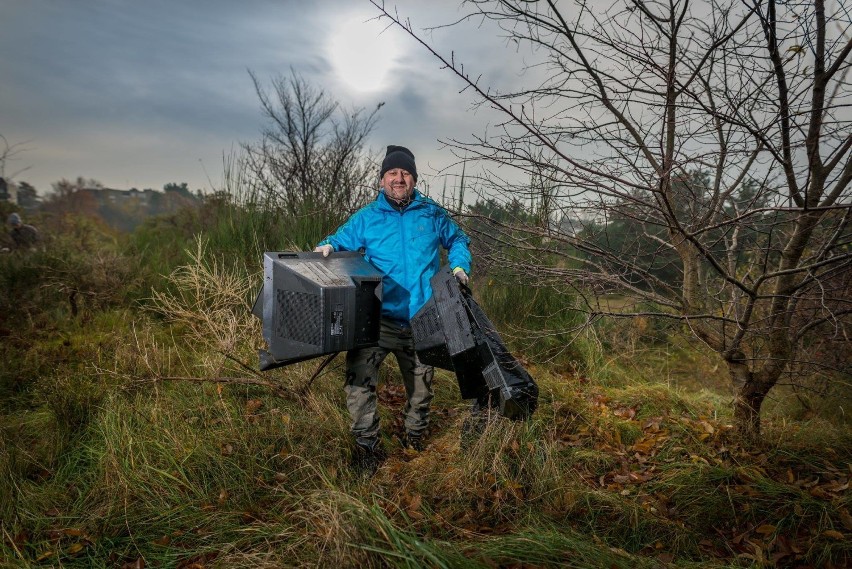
300,317
429,322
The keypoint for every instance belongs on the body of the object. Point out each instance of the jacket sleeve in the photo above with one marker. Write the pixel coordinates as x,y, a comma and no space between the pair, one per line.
455,241
349,236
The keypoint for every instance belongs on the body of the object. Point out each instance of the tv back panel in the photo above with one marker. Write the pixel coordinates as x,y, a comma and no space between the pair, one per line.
444,337
452,332
312,305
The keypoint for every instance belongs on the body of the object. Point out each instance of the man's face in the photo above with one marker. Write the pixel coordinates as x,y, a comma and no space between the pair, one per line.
398,184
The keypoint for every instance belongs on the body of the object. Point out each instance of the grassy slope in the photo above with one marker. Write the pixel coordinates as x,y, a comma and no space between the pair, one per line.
134,438
175,471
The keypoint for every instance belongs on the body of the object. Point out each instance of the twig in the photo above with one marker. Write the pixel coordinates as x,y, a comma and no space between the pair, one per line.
235,380
316,374
242,364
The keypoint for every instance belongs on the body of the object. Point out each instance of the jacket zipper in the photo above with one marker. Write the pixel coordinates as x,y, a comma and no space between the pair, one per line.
404,245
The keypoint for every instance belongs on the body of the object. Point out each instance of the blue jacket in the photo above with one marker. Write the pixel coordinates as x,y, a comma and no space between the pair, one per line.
405,247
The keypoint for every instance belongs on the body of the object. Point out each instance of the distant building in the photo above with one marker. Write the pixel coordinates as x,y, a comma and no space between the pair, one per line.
111,195
126,209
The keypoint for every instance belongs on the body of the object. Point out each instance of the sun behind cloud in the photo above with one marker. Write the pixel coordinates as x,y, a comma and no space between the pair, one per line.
363,53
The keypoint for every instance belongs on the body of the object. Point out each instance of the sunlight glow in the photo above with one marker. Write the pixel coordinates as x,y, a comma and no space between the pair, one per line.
362,54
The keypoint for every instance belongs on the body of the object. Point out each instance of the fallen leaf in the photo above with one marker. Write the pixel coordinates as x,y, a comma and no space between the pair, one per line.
138,564
249,517
253,405
75,548
846,519
640,476
415,503
44,555
625,412
758,553
834,534
644,445
766,529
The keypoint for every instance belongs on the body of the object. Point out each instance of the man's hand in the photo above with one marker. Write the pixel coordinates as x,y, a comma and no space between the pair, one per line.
326,250
461,276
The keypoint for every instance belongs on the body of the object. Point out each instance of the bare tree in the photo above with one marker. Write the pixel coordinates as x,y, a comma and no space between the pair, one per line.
312,155
718,133
8,153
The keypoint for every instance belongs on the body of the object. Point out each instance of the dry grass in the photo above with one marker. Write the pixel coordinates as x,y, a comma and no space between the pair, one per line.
182,457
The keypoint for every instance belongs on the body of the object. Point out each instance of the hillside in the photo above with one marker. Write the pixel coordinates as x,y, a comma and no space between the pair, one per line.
136,433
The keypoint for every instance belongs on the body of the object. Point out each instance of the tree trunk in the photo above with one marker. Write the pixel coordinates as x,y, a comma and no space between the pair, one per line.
739,371
750,392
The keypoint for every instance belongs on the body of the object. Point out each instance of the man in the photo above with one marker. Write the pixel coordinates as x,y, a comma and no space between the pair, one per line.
401,234
23,236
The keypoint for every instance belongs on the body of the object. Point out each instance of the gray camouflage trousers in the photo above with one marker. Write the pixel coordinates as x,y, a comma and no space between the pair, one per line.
362,379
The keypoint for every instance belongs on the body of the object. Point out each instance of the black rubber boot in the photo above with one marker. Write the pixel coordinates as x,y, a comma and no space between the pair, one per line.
414,441
367,456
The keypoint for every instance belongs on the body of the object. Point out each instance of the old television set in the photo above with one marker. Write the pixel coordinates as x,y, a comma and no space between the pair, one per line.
452,332
312,305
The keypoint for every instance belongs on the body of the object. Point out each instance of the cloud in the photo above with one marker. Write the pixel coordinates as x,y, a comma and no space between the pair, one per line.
143,93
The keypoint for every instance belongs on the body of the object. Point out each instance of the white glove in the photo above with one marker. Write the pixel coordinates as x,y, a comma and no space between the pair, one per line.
461,276
326,250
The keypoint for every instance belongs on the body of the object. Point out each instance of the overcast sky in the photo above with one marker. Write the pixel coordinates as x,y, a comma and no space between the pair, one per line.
139,94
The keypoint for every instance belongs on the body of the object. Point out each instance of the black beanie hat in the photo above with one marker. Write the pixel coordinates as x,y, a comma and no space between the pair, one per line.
399,157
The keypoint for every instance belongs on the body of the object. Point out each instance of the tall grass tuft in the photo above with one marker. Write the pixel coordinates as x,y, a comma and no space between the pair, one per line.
539,322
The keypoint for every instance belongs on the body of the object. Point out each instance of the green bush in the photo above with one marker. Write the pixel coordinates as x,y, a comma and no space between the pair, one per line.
539,322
